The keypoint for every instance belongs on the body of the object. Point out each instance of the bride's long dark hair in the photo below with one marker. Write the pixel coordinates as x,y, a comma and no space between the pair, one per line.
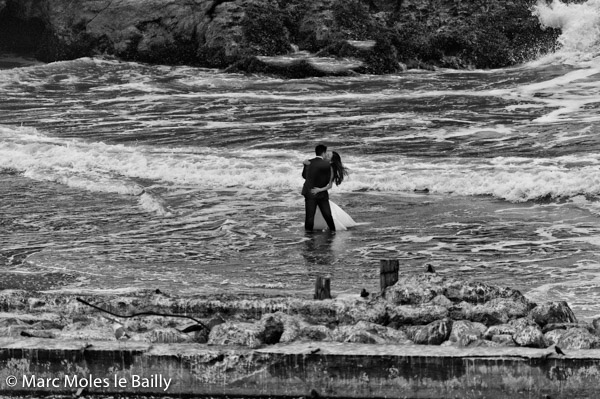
339,171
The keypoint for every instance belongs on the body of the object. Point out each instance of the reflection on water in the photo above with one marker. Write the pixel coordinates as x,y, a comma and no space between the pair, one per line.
318,249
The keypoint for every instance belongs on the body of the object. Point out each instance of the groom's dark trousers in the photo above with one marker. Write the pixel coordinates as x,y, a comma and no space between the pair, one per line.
317,174
311,204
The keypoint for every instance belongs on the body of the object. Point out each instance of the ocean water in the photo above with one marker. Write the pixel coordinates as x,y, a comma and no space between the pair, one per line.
119,175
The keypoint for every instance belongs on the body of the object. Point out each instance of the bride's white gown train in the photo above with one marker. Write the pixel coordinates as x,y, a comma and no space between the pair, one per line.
340,218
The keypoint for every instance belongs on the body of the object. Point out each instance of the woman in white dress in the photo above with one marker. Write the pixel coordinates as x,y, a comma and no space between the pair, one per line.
341,219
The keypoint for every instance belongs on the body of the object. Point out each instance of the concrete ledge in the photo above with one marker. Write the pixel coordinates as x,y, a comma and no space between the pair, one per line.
295,370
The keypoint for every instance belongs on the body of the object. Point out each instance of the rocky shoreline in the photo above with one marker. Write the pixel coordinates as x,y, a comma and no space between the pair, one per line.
372,36
423,309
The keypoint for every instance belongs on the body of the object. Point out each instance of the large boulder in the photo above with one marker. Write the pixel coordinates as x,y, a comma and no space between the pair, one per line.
431,334
369,333
422,288
565,326
235,334
504,340
530,336
271,328
553,312
415,289
500,329
498,311
478,292
578,338
465,332
311,332
596,325
416,315
552,337
164,335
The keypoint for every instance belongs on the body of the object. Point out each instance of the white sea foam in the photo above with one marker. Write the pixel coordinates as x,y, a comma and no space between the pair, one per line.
117,168
580,25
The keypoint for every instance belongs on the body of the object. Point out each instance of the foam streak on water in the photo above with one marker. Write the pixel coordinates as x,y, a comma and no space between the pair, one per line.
124,175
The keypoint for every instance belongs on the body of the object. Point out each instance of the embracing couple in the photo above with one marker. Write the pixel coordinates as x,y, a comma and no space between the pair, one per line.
319,175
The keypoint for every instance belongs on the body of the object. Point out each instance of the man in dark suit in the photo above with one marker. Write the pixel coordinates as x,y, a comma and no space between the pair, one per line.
317,174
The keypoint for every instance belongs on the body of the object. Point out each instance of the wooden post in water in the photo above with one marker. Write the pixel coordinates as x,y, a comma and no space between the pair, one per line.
322,288
388,274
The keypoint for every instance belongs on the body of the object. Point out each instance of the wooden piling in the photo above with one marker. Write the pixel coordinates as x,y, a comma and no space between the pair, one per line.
388,274
322,288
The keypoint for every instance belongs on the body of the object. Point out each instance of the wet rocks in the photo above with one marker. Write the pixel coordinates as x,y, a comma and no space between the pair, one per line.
235,334
416,315
424,309
369,333
552,337
432,334
465,332
504,340
422,288
162,336
414,290
530,336
384,34
296,67
553,312
500,329
578,338
497,311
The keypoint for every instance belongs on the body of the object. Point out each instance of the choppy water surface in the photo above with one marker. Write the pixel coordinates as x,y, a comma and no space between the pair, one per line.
117,175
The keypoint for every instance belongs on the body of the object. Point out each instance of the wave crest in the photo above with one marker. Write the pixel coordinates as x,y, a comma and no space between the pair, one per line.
580,25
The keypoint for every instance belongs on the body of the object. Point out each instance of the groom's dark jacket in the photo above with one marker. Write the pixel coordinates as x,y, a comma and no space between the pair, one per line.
317,174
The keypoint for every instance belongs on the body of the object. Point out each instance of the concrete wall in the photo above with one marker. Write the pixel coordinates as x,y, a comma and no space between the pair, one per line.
305,369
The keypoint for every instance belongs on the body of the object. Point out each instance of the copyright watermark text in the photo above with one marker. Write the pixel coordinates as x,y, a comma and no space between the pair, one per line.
89,381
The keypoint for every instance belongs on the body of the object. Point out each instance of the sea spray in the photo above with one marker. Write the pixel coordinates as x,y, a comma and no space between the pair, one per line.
580,25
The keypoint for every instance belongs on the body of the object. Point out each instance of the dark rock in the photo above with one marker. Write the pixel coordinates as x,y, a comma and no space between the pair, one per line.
566,326
596,325
553,312
39,333
293,68
272,329
35,303
421,34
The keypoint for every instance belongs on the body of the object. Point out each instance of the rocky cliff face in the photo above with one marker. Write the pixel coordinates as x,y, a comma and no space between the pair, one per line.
221,33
